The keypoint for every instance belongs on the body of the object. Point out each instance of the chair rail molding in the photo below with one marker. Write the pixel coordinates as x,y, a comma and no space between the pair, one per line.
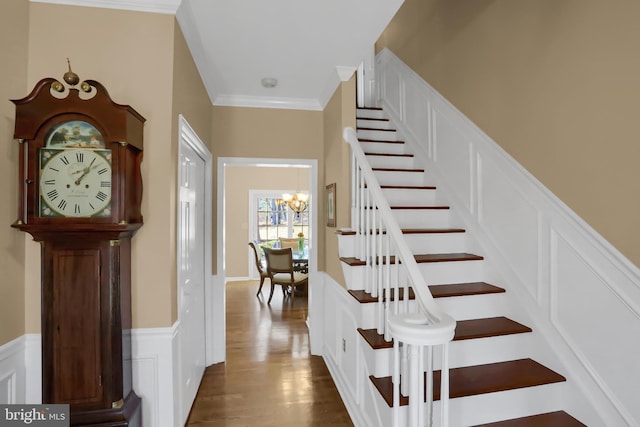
576,287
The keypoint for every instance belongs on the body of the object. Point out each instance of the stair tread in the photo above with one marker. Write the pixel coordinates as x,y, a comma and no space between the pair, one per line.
558,419
465,329
396,170
388,154
480,379
463,289
488,327
410,231
380,119
422,258
365,297
383,130
382,141
407,187
370,108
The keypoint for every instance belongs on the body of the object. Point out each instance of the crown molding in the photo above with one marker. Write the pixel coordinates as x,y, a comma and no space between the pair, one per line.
156,6
267,102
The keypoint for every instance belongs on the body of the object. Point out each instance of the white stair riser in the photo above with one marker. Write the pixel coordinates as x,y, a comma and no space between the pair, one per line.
504,405
376,114
410,197
437,243
346,245
373,123
452,271
378,135
461,353
434,273
382,147
475,306
395,162
419,243
422,218
399,178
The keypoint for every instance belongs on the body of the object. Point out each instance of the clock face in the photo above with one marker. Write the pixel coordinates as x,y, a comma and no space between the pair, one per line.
75,182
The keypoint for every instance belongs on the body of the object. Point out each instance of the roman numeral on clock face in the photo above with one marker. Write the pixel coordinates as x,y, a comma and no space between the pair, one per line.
80,157
101,196
62,205
52,195
76,208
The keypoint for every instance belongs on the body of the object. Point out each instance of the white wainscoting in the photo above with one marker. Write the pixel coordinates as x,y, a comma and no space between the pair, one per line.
581,292
12,371
342,348
154,373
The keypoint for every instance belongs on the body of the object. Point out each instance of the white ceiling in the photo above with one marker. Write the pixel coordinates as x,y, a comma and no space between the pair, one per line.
308,46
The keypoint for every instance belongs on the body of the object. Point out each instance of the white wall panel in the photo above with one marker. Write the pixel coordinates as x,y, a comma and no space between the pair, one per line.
593,316
12,372
452,154
512,219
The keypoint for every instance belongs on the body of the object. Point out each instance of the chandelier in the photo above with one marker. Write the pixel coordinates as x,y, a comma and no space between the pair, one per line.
298,202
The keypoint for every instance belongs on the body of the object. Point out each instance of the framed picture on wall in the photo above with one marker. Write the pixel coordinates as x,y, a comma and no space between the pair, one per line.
331,205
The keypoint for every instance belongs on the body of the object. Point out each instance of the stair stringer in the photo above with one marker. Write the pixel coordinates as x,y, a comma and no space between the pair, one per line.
558,229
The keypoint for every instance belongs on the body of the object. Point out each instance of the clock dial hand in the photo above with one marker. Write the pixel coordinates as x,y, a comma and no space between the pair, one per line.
85,171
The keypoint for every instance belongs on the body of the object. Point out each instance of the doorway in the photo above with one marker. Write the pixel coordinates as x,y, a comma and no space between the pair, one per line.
311,168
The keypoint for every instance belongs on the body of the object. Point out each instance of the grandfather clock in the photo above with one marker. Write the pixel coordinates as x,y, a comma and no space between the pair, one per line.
80,195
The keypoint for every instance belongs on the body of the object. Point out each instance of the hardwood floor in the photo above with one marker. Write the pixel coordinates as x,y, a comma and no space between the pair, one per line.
269,378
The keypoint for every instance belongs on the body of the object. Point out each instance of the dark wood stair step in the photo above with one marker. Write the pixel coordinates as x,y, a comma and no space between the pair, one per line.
402,207
388,154
488,327
550,419
410,231
480,379
421,258
365,297
465,330
381,141
407,187
382,130
437,291
464,289
396,170
373,118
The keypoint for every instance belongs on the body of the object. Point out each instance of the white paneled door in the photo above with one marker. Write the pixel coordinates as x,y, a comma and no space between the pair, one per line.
191,275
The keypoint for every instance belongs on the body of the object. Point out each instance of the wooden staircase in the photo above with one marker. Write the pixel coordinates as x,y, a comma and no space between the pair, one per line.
441,253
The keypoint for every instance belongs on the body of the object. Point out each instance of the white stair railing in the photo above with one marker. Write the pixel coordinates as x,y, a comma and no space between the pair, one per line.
391,272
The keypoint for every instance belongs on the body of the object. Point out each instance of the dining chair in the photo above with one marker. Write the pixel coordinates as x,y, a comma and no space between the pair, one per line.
263,273
289,242
281,272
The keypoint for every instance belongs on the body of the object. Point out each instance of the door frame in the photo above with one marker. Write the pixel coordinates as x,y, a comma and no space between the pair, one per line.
188,137
219,286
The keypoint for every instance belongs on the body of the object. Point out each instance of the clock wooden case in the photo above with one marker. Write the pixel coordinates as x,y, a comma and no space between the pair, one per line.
80,196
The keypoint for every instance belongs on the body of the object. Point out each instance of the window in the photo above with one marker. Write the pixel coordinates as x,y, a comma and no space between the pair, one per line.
274,219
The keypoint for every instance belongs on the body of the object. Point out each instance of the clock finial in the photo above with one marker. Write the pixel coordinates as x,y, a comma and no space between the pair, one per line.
70,77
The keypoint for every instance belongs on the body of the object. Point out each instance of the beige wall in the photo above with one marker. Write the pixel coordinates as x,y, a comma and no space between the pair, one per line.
14,21
136,63
190,100
239,180
555,83
270,133
339,112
